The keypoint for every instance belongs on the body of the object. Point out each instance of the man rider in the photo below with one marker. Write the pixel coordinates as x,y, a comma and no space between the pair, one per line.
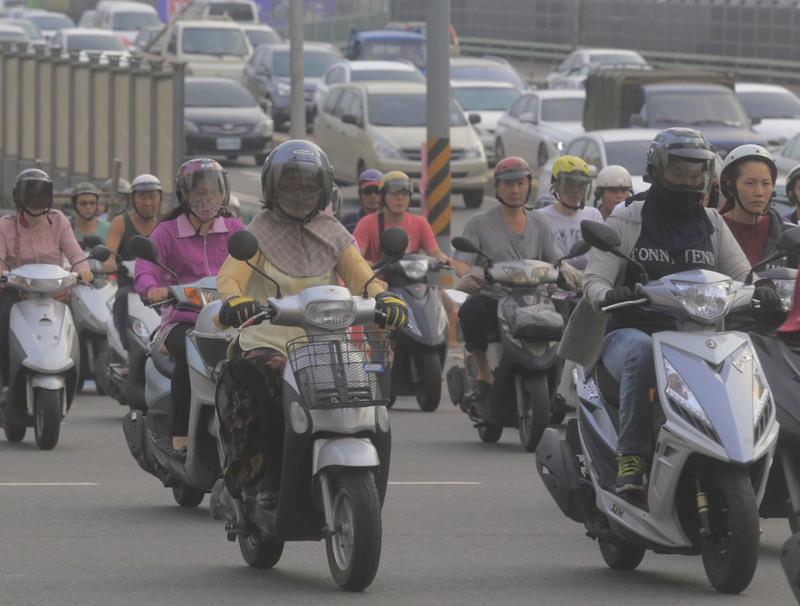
85,198
670,231
369,195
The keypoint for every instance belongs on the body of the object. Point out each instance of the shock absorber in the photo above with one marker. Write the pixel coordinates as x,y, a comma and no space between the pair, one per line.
702,507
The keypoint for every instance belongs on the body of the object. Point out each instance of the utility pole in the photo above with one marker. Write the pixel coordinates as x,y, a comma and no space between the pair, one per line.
297,108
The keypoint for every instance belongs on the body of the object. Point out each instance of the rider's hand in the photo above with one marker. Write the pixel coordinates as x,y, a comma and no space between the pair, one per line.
620,294
154,295
771,306
87,277
570,277
110,265
237,310
393,307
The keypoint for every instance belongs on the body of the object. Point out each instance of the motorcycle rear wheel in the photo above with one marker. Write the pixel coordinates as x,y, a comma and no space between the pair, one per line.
15,433
46,417
621,556
100,369
489,432
258,553
535,418
429,385
186,496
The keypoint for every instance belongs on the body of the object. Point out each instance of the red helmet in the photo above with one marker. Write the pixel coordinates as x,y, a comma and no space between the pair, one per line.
511,168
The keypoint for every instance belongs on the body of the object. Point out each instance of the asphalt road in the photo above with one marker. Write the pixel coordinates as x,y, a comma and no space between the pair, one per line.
464,523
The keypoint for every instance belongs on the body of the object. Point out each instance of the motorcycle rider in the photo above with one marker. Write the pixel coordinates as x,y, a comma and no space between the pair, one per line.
85,198
793,193
192,242
569,182
35,233
747,183
299,246
113,204
395,197
369,195
670,231
612,186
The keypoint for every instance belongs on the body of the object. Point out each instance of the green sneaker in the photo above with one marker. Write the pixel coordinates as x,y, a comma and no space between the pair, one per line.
630,474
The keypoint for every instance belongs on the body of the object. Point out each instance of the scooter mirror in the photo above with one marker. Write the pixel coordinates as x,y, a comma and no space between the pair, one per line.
242,246
144,248
394,242
790,239
91,241
599,235
581,247
100,253
462,244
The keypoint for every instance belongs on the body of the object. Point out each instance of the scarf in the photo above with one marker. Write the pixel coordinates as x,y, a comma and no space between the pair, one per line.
675,220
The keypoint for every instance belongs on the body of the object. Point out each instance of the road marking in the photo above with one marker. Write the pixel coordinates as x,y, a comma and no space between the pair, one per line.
435,483
2,484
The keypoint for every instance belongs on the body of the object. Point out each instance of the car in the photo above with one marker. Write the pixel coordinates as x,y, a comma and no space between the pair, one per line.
126,19
382,125
48,21
147,35
266,75
261,33
221,117
486,69
241,11
774,111
87,18
31,29
388,45
366,71
574,69
780,201
213,49
538,124
91,40
420,26
12,33
789,155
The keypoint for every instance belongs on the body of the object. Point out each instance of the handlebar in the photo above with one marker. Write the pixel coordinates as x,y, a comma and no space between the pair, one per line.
623,304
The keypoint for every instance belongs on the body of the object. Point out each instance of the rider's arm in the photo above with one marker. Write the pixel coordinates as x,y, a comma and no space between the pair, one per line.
234,275
355,272
602,271
429,244
362,232
148,276
115,232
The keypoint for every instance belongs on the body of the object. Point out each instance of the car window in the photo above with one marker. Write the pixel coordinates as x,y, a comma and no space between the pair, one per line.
771,105
793,149
493,73
217,94
484,98
262,36
335,74
238,11
78,42
394,75
516,108
210,41
592,154
331,100
355,106
562,110
133,21
695,109
405,110
315,63
532,107
630,154
344,102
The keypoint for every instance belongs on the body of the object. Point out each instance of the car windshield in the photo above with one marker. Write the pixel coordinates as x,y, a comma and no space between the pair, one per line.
774,105
238,11
394,75
695,109
405,110
314,63
133,21
491,73
99,42
30,27
562,110
630,154
217,94
50,22
262,36
13,36
210,41
615,59
485,99
412,50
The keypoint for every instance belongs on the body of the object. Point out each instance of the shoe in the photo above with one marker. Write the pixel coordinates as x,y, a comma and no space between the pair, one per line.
476,396
630,474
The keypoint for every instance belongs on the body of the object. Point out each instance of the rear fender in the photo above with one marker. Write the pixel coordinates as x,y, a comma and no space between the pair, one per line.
558,468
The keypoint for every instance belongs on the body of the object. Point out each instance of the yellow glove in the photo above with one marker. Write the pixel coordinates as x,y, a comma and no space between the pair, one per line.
393,308
237,310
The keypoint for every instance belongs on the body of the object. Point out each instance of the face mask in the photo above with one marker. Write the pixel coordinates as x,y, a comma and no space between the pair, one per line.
679,200
205,210
298,203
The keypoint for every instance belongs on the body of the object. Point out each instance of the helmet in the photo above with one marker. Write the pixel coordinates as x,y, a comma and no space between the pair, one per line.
207,174
297,179
511,168
369,177
686,155
740,155
146,182
82,188
569,164
395,181
794,174
123,186
33,191
571,172
615,176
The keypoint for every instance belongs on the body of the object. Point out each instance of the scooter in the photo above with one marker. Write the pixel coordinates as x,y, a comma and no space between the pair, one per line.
715,425
192,474
420,347
522,353
44,353
337,441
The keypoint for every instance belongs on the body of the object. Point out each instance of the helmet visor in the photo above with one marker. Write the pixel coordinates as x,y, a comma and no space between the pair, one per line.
687,174
300,189
576,183
205,190
35,194
396,185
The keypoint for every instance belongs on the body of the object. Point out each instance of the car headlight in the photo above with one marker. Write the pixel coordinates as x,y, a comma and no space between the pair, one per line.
560,147
678,391
415,270
42,285
706,301
785,290
263,128
331,314
190,127
284,88
384,149
475,152
200,296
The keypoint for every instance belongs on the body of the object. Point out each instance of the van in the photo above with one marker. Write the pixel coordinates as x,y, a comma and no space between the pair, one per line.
125,18
241,11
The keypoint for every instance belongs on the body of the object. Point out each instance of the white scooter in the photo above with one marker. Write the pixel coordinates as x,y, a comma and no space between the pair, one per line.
43,352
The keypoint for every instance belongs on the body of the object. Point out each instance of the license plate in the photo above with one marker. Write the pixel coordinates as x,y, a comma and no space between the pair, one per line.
229,143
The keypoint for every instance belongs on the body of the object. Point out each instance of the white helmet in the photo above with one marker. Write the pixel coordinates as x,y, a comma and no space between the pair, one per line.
748,152
614,175
146,182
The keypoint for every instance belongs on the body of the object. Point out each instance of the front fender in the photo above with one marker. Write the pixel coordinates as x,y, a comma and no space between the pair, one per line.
344,452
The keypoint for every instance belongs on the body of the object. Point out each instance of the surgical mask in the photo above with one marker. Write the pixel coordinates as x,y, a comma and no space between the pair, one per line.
205,210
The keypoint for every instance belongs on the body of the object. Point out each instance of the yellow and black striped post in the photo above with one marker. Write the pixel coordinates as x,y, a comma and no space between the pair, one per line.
437,194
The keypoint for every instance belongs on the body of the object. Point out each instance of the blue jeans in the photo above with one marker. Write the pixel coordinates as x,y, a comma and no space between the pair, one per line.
628,357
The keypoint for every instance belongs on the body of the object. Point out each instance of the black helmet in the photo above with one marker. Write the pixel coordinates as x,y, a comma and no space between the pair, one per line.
204,173
82,188
297,179
33,191
681,159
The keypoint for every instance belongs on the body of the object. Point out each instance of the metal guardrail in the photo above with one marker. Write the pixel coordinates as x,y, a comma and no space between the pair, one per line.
766,70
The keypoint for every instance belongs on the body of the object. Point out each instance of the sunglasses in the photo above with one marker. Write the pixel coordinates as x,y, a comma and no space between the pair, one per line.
371,190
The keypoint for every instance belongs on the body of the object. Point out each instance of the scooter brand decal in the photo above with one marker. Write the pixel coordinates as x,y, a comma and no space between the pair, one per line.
711,343
618,511
378,368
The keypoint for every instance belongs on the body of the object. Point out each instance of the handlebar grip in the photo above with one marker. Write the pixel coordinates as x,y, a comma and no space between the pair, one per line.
623,304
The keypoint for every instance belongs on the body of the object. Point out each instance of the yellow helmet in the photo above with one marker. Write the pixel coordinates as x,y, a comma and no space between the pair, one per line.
569,164
394,181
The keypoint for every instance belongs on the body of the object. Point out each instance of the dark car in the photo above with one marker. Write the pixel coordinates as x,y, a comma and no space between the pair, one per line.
221,117
266,75
388,45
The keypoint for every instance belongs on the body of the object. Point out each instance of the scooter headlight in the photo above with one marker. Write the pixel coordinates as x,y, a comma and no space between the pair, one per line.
416,269
705,301
516,275
785,290
331,315
678,391
298,417
139,328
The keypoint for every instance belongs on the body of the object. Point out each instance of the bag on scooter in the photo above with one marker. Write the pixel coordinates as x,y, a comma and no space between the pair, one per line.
540,321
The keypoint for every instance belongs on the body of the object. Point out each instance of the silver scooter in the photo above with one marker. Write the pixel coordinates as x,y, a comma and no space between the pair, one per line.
44,353
715,426
337,441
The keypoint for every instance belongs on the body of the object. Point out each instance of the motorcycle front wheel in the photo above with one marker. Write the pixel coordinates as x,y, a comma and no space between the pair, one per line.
46,417
428,386
258,553
186,496
535,415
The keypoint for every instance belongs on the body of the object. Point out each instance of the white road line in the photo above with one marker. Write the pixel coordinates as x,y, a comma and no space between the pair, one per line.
2,484
435,483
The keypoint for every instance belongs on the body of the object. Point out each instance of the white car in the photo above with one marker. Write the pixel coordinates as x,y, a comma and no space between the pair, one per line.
48,21
213,49
773,110
365,71
12,33
125,19
486,69
539,123
576,66
489,100
86,41
789,155
260,33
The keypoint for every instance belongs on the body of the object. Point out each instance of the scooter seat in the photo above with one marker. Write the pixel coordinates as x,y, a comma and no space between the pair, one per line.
608,385
164,363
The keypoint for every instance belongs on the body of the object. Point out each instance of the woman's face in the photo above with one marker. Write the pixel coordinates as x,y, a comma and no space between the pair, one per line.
205,200
754,186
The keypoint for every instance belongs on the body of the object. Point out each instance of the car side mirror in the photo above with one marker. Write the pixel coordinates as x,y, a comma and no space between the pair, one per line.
528,117
242,246
144,248
350,119
474,118
755,121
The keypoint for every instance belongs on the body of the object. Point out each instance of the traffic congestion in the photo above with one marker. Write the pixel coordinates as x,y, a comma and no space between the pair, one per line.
601,347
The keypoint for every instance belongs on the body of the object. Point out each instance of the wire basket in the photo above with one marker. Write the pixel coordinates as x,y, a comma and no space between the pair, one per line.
340,371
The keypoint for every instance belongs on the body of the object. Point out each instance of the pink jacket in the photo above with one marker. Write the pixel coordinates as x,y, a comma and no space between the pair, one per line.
47,242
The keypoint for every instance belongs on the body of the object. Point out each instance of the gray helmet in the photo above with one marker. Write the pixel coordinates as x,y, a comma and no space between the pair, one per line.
146,182
123,186
33,191
297,179
686,151
794,175
84,187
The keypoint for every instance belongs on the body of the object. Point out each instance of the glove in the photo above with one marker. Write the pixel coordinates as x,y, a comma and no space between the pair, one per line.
771,306
237,310
620,294
394,308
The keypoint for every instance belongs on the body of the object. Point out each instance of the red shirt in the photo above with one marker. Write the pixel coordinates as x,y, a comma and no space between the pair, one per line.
420,235
752,237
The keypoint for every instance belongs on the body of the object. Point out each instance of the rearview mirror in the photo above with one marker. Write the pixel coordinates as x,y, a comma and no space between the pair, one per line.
144,248
462,244
474,118
99,253
350,119
527,117
242,246
581,247
91,241
394,242
790,239
599,235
